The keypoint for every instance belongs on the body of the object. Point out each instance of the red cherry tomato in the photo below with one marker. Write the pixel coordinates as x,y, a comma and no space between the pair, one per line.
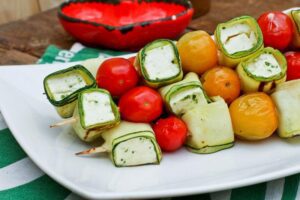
117,75
132,59
141,104
170,133
293,62
277,29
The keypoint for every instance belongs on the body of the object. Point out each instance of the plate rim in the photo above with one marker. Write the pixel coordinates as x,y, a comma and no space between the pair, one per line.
196,190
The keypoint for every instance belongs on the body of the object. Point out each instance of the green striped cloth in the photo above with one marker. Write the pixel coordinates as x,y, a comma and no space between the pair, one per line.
21,179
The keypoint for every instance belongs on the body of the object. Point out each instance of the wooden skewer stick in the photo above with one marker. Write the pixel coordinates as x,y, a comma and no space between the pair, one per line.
65,122
92,150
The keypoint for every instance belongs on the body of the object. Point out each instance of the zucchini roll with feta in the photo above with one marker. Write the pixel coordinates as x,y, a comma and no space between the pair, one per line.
95,112
159,63
295,16
129,144
286,98
184,95
62,88
237,39
263,71
209,126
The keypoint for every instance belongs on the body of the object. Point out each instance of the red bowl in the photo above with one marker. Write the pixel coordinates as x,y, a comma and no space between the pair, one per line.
124,24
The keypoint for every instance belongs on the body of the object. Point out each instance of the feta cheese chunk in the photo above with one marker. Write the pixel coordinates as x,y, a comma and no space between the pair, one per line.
265,66
238,37
96,112
61,87
132,144
184,95
185,99
136,151
97,108
262,71
159,63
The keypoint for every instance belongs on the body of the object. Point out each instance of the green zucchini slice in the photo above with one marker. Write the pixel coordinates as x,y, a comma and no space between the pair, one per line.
210,128
159,63
184,95
96,112
62,88
286,98
295,16
237,39
131,144
262,71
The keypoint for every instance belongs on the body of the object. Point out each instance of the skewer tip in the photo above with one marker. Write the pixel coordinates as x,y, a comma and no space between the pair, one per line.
91,151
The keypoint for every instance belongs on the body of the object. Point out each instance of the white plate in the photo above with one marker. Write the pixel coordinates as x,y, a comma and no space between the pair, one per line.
28,115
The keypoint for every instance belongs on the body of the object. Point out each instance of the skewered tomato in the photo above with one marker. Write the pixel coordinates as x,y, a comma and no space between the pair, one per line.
293,62
197,51
141,104
277,29
253,116
170,133
117,75
222,81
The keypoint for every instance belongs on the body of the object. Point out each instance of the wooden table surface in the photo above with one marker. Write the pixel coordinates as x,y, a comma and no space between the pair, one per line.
24,41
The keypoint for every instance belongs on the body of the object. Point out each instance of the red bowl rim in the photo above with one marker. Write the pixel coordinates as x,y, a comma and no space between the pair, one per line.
128,27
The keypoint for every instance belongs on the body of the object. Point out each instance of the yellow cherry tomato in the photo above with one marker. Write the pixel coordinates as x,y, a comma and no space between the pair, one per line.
223,82
197,51
253,116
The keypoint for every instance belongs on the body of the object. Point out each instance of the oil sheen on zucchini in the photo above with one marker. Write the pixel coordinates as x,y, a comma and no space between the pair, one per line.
237,39
210,128
62,88
262,71
132,144
159,63
286,98
96,112
184,95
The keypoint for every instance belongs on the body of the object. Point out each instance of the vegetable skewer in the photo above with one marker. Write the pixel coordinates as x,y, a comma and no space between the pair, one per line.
62,88
94,113
129,144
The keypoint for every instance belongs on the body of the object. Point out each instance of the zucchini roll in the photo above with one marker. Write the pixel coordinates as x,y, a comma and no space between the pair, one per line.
92,65
94,113
62,88
210,128
295,16
237,39
263,71
184,95
286,98
129,144
159,63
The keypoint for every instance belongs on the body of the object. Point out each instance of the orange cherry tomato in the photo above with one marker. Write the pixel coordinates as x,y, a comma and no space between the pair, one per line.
253,116
222,81
197,51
